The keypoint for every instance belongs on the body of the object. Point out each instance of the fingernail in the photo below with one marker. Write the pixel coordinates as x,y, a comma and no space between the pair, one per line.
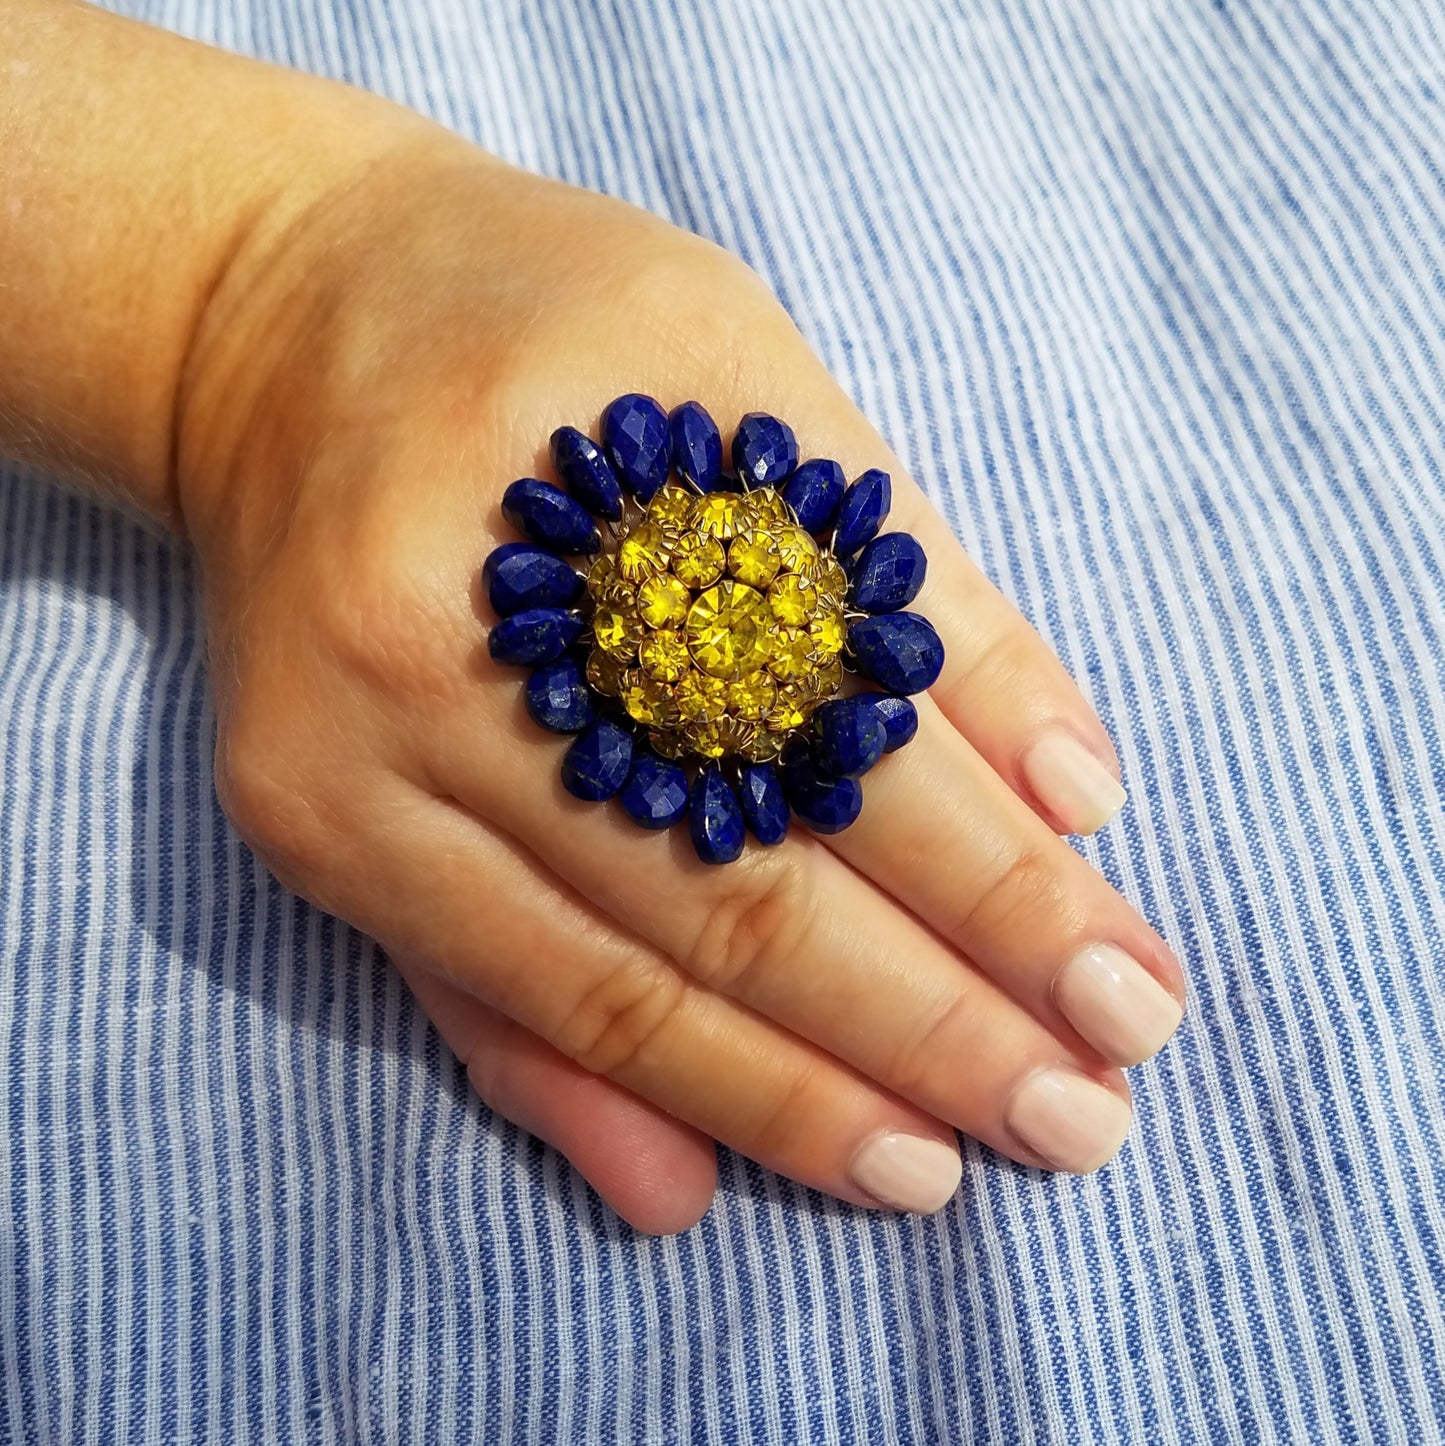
1116,1004
1072,1122
1072,783
907,1172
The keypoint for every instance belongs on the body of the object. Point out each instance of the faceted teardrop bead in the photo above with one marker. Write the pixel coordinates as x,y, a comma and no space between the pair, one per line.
851,736
637,440
655,793
865,504
888,573
765,807
715,818
695,445
898,651
520,575
898,716
558,696
549,517
765,451
587,473
825,803
814,492
597,764
535,635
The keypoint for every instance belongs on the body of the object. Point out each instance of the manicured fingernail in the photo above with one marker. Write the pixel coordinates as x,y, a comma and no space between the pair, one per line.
1072,1122
1116,1004
907,1172
1072,783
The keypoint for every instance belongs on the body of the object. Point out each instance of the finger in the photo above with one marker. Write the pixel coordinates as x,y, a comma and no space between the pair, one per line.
656,1172
465,903
800,937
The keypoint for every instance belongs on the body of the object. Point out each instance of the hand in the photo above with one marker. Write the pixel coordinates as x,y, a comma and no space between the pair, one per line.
362,389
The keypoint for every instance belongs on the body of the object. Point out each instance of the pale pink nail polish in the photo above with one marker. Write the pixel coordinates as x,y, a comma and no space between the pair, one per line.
1116,1004
1072,782
1074,1123
907,1172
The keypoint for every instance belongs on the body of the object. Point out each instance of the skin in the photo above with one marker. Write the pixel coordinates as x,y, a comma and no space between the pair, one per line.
318,336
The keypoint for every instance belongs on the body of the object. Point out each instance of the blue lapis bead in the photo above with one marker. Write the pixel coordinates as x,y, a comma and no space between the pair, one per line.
637,440
587,473
898,651
535,635
765,806
549,517
888,573
655,793
898,716
825,803
596,766
715,818
850,736
521,575
814,492
865,504
558,696
696,446
765,451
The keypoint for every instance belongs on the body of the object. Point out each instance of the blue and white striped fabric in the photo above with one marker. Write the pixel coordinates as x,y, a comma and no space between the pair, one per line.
1151,296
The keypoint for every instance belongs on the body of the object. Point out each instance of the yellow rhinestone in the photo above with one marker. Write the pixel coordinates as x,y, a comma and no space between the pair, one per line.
752,697
828,678
798,551
662,601
669,745
762,747
643,551
765,505
721,515
791,655
664,654
701,698
604,672
792,599
827,632
727,630
671,507
645,699
618,630
601,574
752,558
831,579
715,738
697,559
789,710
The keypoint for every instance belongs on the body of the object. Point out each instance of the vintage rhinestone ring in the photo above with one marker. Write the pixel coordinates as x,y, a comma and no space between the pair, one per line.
714,657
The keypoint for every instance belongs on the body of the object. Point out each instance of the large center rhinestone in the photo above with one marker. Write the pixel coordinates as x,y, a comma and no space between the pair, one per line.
727,630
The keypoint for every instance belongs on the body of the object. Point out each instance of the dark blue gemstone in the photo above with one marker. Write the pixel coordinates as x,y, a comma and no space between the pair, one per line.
535,635
587,473
899,651
637,440
715,818
851,736
597,764
696,446
558,696
825,803
814,492
520,575
656,792
898,716
888,573
764,805
550,517
765,451
865,505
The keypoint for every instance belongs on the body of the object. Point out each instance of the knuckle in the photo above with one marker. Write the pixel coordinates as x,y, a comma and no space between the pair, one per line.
788,1117
1006,661
930,1053
610,1028
1025,887
267,804
762,916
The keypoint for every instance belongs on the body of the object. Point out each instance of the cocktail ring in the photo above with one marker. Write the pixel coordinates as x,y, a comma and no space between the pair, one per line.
713,656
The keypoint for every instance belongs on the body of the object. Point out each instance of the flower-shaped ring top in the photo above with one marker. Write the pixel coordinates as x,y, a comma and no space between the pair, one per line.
704,657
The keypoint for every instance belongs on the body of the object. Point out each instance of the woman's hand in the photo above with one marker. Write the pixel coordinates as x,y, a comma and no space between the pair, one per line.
364,383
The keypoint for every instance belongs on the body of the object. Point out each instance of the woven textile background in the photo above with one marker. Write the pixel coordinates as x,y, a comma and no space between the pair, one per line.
1151,296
